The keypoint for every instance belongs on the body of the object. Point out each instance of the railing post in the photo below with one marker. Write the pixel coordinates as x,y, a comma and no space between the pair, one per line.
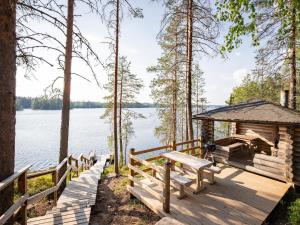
200,147
174,145
22,188
166,191
77,168
82,163
131,172
70,163
55,181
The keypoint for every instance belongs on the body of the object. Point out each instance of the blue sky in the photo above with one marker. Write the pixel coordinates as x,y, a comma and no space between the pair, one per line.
138,42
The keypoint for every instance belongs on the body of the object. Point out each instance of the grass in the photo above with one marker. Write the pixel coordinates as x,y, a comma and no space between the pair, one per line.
294,212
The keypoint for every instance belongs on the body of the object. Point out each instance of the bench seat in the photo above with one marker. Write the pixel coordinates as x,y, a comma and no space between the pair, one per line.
209,173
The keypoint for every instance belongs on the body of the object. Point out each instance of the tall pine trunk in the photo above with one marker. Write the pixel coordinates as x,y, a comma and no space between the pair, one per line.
293,78
115,111
189,61
65,116
186,73
8,97
175,90
120,122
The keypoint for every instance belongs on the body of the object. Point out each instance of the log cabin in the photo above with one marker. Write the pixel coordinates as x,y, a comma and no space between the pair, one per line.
264,138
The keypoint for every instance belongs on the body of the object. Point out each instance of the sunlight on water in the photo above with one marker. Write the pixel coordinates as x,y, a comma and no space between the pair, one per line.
37,134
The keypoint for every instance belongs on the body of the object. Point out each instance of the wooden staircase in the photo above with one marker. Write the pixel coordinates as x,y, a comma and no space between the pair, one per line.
74,204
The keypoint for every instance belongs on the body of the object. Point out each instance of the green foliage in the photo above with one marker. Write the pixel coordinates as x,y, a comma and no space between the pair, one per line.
294,212
46,103
35,185
39,184
251,88
258,19
129,86
109,170
27,103
242,16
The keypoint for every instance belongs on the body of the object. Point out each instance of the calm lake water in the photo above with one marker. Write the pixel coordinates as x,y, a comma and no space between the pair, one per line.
38,134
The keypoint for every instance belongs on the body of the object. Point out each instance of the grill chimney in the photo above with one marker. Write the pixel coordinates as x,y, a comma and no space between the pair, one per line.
284,98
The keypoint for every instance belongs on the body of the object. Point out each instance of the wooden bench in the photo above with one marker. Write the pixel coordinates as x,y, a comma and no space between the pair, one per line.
181,181
178,181
209,173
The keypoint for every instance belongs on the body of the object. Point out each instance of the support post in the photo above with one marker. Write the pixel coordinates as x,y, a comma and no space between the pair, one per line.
77,168
70,163
22,188
174,146
166,191
200,147
55,181
131,172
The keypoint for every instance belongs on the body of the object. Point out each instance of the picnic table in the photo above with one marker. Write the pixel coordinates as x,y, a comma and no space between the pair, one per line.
192,162
248,139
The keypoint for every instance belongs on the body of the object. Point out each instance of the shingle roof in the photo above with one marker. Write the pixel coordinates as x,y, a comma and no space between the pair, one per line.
255,112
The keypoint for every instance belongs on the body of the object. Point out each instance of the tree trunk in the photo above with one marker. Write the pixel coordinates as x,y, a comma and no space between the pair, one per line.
120,122
175,90
65,116
8,98
115,117
190,60
186,73
293,78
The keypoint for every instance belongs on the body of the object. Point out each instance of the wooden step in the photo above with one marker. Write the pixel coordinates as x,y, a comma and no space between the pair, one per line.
67,208
77,216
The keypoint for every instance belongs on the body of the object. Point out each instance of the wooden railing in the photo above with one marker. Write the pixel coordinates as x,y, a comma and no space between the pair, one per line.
134,170
18,211
146,168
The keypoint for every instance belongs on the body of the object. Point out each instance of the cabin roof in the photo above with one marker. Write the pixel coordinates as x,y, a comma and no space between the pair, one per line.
258,111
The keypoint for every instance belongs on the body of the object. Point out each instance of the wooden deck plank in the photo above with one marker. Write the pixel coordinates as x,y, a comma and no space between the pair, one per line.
238,197
168,221
74,205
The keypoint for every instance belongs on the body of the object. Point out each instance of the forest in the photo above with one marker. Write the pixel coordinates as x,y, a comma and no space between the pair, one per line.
45,103
190,31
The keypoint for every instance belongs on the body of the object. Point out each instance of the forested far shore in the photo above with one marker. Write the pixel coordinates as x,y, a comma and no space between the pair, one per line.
47,103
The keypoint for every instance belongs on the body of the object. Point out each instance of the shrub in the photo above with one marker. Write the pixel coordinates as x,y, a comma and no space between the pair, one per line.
294,212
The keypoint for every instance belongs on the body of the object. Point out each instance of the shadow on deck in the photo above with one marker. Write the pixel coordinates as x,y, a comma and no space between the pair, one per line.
237,197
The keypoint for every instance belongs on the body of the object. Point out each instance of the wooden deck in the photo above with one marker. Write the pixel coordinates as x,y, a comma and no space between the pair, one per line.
238,197
74,205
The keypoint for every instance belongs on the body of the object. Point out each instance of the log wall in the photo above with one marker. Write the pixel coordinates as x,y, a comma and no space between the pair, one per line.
207,133
265,132
285,151
296,156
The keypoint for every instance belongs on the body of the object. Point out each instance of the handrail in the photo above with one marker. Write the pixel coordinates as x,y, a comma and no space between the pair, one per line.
20,206
10,212
164,183
62,163
6,182
40,173
152,149
187,142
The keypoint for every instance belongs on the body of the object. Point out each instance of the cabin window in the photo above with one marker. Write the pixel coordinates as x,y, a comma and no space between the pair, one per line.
221,130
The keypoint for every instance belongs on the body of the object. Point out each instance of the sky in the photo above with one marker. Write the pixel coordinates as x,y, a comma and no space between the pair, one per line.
138,42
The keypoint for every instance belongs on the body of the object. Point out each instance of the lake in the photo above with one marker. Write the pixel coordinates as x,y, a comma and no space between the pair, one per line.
38,134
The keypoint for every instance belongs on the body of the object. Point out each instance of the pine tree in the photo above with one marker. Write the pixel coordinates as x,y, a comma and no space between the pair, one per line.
129,87
8,98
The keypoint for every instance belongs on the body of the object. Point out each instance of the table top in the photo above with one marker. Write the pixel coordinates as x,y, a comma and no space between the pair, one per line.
188,160
245,137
